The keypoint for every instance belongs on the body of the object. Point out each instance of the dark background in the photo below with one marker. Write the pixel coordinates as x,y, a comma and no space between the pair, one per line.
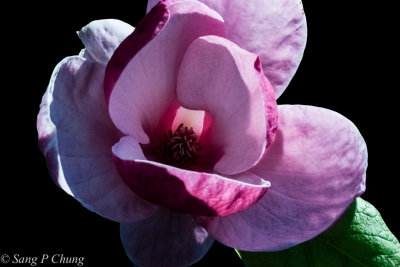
346,68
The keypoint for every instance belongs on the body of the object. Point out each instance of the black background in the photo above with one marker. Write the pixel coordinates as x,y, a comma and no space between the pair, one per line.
346,68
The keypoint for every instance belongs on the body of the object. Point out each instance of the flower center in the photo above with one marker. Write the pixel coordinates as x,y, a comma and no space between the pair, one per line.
179,148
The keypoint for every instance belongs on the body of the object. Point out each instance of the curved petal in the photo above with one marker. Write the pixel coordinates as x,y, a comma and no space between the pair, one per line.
165,239
183,190
275,30
316,166
76,136
224,80
102,37
151,4
47,134
142,90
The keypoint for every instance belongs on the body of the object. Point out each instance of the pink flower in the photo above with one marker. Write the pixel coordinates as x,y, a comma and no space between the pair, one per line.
172,129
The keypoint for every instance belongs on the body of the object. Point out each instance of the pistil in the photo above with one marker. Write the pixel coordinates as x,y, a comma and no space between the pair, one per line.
180,147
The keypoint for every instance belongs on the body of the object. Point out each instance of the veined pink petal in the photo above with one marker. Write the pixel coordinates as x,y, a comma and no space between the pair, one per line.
165,239
184,190
224,80
145,89
316,166
102,37
76,136
146,30
275,30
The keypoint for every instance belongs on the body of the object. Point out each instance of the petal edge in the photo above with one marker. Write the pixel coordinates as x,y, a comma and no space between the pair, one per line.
185,191
317,166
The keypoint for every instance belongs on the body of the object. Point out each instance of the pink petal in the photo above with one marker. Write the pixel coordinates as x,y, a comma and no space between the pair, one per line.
102,37
141,91
190,118
47,135
165,239
76,136
316,166
183,190
224,80
275,30
151,4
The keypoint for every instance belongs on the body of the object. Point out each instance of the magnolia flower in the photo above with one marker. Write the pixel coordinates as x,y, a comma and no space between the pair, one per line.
172,129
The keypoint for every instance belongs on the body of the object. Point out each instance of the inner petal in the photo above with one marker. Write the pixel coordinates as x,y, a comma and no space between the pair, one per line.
140,79
227,82
185,191
191,118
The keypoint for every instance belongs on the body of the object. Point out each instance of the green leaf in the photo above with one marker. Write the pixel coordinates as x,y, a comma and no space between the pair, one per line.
359,238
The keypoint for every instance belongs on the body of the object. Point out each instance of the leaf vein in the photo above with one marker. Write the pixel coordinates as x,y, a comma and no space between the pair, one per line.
340,250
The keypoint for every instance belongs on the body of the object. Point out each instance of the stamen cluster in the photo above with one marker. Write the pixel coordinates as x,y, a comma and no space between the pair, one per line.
179,148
